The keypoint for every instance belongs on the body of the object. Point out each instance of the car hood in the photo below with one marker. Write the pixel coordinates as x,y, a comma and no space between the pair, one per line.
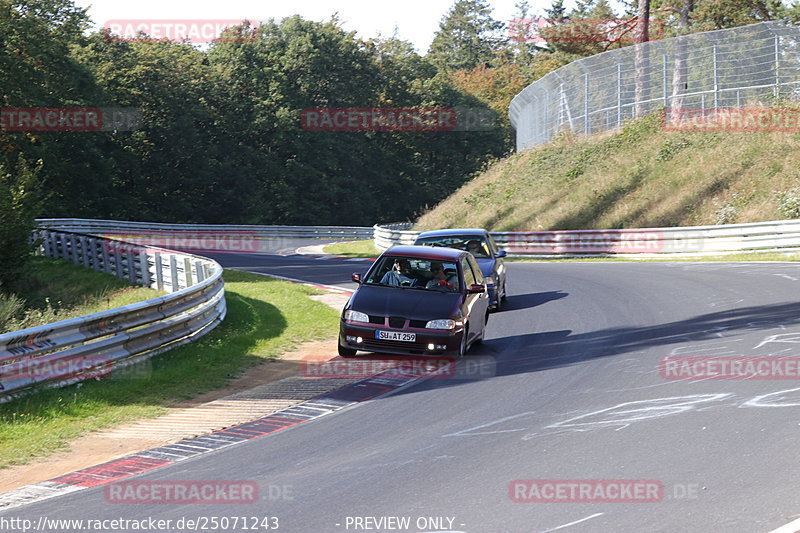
409,303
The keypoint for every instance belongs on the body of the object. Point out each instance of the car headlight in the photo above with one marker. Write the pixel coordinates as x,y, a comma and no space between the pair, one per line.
355,316
489,280
444,323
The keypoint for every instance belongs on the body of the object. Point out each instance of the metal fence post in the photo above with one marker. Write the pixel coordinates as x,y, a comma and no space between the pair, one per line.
716,78
619,94
777,91
586,129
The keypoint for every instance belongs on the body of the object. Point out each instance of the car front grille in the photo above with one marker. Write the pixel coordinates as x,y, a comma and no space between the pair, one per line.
397,322
400,345
376,319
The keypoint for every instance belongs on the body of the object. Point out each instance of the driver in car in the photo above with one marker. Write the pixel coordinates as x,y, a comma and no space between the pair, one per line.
476,248
440,279
399,275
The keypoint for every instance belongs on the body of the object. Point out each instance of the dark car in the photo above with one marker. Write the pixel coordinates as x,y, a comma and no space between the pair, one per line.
485,251
416,300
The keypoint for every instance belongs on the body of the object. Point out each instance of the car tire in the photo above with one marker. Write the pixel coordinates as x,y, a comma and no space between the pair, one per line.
479,340
346,352
463,347
505,294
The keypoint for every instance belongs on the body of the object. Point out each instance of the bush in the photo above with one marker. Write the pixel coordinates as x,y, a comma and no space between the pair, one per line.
20,201
789,203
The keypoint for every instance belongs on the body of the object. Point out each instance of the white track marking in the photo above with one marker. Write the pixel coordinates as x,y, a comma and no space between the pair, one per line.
572,523
467,432
791,527
758,401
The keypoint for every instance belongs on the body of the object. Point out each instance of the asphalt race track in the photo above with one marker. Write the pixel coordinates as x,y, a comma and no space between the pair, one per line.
567,386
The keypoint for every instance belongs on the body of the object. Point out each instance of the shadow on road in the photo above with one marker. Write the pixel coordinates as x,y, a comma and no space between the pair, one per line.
533,352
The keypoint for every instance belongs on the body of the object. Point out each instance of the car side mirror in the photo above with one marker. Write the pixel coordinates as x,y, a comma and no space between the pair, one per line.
476,288
501,253
355,276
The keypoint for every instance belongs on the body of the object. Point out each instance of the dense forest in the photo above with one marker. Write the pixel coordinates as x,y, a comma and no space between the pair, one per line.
220,139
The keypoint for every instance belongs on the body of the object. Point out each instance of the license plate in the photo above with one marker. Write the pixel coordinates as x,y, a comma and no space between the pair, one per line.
395,336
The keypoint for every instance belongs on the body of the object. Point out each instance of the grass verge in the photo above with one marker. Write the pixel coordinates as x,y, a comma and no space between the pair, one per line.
365,248
639,177
265,318
55,289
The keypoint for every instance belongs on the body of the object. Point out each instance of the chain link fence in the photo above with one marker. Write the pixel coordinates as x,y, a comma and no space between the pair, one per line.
751,65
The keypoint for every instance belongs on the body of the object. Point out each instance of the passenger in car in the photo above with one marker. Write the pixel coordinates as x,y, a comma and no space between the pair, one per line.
400,275
440,277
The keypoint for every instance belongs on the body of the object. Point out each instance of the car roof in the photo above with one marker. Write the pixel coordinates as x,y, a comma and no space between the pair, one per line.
425,252
453,231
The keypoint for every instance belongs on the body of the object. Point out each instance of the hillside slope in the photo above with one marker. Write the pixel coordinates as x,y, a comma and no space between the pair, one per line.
641,176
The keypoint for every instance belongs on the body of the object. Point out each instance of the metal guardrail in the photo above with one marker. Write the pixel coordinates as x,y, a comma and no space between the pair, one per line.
781,235
92,346
135,230
745,66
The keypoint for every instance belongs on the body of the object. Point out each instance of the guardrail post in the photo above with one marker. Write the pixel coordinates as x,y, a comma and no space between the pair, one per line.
117,262
144,264
198,268
131,266
187,271
159,271
97,254
84,254
46,244
73,249
106,260
173,271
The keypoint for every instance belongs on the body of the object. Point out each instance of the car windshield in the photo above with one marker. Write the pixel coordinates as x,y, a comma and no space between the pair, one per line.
474,244
415,273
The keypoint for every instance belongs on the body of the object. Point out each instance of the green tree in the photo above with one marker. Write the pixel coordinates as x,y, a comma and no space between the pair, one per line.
468,36
21,196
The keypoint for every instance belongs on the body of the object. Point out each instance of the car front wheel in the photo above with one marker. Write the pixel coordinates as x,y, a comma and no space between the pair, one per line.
462,347
346,352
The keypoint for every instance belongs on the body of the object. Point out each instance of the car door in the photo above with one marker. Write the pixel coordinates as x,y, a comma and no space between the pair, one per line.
477,304
499,265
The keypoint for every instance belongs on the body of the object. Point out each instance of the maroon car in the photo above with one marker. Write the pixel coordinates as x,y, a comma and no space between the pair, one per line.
416,300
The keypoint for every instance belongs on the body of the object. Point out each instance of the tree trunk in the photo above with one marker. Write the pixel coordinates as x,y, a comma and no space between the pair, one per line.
680,69
642,58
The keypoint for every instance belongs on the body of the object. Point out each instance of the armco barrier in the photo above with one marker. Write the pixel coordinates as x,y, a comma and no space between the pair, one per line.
140,231
782,235
94,345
